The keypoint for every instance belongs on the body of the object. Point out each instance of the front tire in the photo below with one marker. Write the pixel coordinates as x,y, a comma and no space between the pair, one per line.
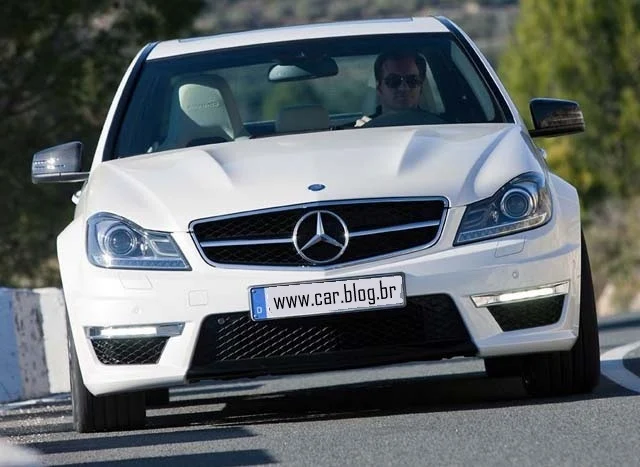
578,370
101,413
503,367
157,397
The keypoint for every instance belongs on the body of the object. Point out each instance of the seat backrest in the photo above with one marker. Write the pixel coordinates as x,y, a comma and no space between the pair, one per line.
202,110
302,118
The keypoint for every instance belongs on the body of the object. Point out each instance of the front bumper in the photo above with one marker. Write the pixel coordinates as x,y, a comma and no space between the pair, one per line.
106,298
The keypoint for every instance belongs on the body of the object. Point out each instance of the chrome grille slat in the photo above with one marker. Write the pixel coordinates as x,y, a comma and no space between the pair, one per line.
378,228
265,241
414,225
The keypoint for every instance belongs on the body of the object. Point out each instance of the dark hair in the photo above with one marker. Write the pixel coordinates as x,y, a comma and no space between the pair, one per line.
421,62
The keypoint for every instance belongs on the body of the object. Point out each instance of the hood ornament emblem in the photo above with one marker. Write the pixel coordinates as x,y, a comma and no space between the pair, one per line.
316,187
320,237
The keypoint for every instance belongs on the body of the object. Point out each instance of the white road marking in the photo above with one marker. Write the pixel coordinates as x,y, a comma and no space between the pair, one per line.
18,456
612,366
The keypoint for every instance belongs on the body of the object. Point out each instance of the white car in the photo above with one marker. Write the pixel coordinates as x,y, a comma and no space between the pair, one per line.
250,212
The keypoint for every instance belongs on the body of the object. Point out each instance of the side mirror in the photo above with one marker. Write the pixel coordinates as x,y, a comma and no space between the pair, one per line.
555,117
58,164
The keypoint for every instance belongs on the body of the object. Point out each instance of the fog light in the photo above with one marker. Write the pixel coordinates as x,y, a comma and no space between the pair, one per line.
128,332
521,295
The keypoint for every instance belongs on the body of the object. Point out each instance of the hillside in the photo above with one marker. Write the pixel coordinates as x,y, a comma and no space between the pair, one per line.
488,22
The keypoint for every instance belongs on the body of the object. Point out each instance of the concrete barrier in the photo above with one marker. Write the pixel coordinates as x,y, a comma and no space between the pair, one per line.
10,372
33,350
54,327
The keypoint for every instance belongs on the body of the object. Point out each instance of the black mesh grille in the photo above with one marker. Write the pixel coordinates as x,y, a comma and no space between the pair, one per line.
357,217
129,351
268,254
427,322
529,314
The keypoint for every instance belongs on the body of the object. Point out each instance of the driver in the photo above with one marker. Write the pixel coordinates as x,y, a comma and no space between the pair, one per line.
399,79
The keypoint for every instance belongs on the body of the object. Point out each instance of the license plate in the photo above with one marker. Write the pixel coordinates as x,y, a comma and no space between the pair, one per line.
324,297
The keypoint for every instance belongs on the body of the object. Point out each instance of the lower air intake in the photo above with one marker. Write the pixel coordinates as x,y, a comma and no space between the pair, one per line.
529,314
232,344
139,351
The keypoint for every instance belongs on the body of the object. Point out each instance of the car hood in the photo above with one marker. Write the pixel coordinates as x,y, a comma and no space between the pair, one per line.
168,190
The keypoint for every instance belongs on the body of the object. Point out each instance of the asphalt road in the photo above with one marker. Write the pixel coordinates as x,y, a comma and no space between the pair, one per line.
441,413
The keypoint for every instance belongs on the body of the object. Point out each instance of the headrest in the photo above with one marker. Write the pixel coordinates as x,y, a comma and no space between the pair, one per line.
302,118
202,108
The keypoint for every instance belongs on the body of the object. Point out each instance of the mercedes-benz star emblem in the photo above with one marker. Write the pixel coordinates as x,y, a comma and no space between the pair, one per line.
320,237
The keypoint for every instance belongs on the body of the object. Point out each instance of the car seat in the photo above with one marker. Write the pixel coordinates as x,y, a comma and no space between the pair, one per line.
202,111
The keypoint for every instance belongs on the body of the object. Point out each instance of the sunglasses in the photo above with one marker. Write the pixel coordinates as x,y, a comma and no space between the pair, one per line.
394,81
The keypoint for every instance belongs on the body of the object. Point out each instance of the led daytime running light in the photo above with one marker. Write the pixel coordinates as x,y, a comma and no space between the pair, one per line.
128,332
520,295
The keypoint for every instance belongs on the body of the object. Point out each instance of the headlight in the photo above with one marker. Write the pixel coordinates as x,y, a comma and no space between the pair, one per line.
115,242
522,204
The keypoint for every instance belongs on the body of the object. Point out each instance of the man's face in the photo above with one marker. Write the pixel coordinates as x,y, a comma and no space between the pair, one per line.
401,85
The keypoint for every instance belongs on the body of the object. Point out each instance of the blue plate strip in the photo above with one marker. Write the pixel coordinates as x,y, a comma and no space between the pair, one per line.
258,304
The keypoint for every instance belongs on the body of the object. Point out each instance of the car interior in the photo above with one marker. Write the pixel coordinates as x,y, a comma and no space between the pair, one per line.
285,91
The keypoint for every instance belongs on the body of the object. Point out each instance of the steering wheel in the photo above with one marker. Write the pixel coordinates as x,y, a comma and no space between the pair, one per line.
405,117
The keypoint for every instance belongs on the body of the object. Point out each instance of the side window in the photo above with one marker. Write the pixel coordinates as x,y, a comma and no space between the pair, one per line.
461,91
249,85
431,98
346,92
473,79
135,138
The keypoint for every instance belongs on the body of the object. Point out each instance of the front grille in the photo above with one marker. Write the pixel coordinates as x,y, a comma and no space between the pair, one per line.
429,326
375,228
529,314
139,351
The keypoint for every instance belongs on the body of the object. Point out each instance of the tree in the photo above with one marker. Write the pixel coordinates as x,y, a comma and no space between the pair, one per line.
60,63
585,50
588,50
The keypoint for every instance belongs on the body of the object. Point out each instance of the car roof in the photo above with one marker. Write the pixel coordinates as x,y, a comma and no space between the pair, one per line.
292,33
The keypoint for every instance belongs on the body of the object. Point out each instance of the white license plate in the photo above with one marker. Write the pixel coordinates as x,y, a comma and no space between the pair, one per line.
324,297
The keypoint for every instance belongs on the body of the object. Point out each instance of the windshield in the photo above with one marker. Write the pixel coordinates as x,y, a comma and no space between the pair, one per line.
328,84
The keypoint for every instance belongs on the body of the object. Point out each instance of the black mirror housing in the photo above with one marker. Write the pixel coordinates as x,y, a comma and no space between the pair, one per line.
58,164
555,117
